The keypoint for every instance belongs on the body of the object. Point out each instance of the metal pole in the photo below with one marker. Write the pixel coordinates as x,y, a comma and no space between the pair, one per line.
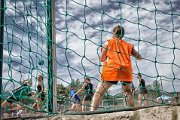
1,47
52,87
54,57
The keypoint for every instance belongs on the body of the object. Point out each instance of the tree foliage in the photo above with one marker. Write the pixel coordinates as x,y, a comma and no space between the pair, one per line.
62,90
156,85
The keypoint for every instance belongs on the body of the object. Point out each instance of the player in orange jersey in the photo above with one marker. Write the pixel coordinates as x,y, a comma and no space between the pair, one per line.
117,67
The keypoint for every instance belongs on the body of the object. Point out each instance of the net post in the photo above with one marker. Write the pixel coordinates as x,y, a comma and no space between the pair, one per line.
54,57
1,47
52,81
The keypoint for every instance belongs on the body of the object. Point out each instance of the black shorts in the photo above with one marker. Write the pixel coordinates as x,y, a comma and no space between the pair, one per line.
11,99
42,96
122,83
88,97
113,82
143,90
125,83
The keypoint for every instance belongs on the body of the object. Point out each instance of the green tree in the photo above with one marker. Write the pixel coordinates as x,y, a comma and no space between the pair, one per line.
156,85
149,87
61,90
62,93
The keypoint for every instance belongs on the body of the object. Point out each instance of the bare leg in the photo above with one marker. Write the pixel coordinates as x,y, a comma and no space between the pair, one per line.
38,104
130,98
16,107
73,107
5,104
35,105
125,100
78,107
145,102
100,91
140,96
84,105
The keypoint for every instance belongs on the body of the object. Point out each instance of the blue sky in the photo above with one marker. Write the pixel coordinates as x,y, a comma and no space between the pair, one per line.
81,30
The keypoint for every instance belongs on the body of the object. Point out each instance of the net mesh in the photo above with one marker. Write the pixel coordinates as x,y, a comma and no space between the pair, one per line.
82,27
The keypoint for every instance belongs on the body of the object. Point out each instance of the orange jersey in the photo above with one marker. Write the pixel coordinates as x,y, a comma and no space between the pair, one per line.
118,66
